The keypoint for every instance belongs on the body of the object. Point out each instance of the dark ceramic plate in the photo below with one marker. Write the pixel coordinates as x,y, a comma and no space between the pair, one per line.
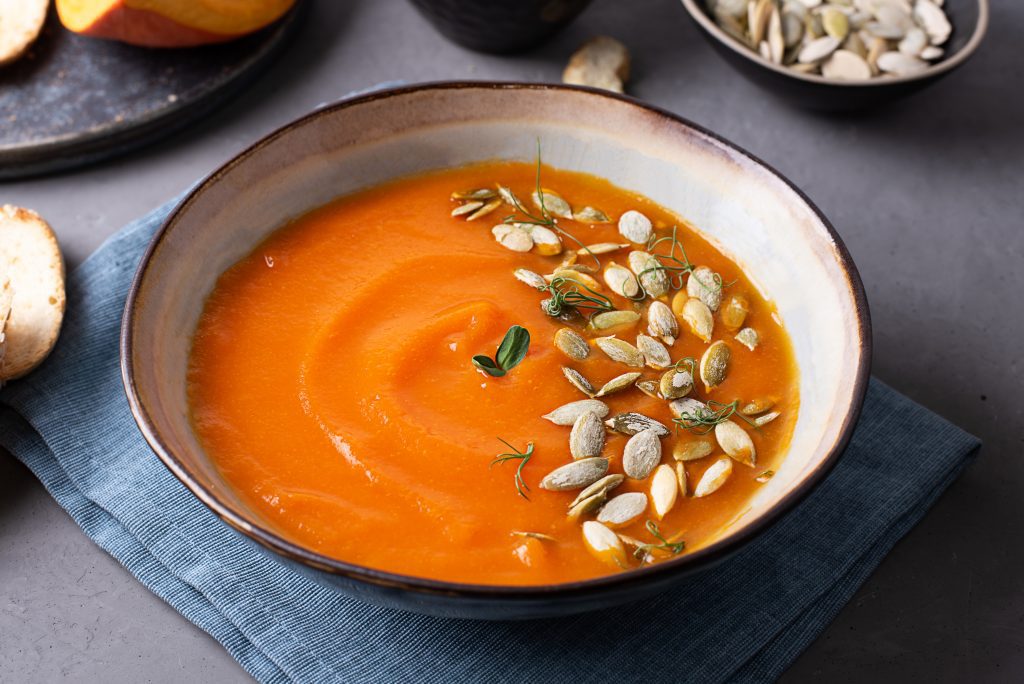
74,100
969,19
758,217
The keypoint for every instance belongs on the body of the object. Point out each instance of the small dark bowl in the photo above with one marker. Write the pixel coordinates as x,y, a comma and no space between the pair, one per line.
969,19
499,26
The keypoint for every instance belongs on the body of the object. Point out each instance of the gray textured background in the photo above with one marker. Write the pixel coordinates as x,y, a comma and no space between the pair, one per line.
927,194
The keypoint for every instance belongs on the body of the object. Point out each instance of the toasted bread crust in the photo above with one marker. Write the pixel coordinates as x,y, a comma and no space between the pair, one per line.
22,23
32,264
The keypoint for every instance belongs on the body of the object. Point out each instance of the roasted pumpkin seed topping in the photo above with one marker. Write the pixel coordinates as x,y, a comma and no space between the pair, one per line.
632,423
620,351
617,384
623,509
713,478
568,413
577,380
572,344
714,364
575,475
587,437
642,454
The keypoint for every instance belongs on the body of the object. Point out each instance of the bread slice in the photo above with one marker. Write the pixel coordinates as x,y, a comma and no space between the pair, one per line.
6,299
32,267
601,62
21,21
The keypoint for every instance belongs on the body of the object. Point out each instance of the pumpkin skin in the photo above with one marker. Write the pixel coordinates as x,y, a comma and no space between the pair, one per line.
169,23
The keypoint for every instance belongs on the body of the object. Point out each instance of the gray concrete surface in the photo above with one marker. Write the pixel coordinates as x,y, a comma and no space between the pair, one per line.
927,194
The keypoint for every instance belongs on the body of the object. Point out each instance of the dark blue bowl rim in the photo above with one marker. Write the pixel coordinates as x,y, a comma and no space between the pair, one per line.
624,581
696,10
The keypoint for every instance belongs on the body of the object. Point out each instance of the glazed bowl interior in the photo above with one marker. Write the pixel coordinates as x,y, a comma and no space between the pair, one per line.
752,214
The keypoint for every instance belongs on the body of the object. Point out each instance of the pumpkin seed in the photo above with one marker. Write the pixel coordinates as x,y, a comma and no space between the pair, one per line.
466,208
484,210
586,506
932,19
662,323
765,476
632,423
591,215
776,41
552,203
752,408
621,281
575,276
649,387
698,316
900,64
792,28
761,421
713,478
931,52
613,319
513,236
603,544
655,354
533,535
749,338
474,194
587,437
835,23
757,19
603,248
664,490
641,454
620,351
706,285
623,509
534,280
577,380
508,197
913,42
681,477
735,311
676,383
635,227
575,475
692,450
688,408
714,364
545,241
649,272
604,485
735,442
617,384
679,301
567,414
572,344
818,49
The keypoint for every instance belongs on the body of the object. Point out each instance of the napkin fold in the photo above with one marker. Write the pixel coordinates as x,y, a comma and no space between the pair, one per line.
744,620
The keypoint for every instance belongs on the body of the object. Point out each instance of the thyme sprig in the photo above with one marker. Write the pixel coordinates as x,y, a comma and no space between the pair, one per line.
675,264
524,458
702,421
545,219
566,294
675,548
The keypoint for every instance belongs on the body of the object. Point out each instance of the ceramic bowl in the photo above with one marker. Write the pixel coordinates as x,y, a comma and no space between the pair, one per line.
969,19
753,214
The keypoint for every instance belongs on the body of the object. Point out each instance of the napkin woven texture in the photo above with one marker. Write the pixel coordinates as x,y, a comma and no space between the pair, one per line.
744,620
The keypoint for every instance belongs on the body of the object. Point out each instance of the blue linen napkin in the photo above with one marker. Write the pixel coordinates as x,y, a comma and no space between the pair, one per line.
745,620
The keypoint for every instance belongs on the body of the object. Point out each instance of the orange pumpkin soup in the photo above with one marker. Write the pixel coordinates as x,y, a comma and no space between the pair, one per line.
346,378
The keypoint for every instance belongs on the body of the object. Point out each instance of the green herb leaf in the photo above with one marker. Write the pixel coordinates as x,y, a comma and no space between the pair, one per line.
513,347
486,364
523,457
675,548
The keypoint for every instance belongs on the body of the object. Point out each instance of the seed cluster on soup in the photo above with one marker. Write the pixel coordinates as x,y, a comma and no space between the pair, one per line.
498,374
